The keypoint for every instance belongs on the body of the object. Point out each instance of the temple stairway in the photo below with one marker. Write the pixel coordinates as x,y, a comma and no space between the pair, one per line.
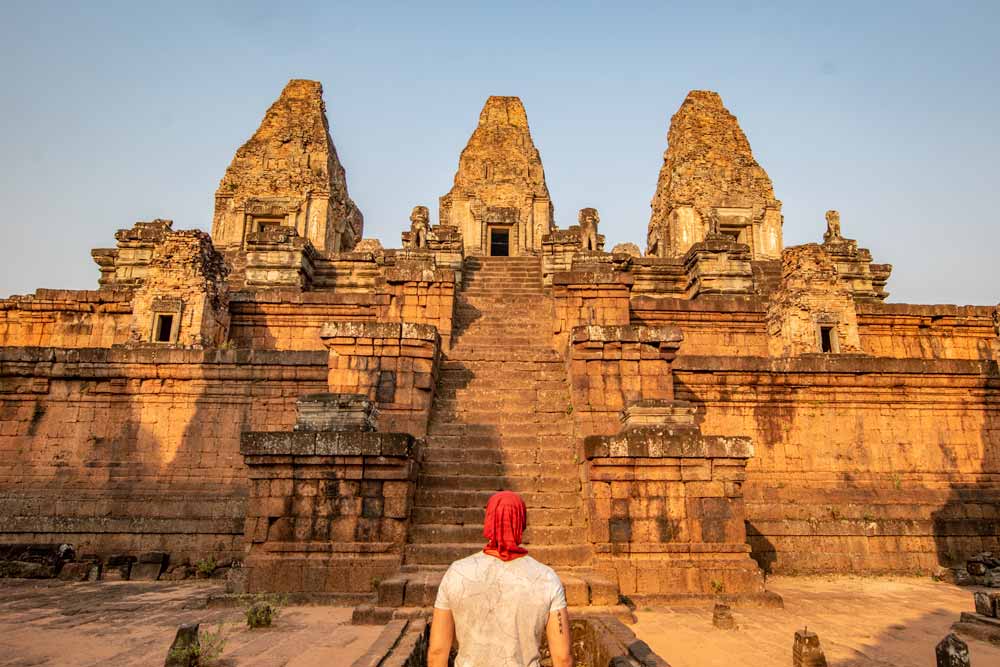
501,420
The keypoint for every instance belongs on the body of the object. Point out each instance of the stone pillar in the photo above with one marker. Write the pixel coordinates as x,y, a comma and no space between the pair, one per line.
952,652
329,502
614,366
392,364
806,651
665,506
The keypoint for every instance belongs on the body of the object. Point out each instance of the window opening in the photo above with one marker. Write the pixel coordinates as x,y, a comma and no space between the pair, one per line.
164,327
826,339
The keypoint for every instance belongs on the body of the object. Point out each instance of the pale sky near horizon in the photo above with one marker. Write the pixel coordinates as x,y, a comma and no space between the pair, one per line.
113,112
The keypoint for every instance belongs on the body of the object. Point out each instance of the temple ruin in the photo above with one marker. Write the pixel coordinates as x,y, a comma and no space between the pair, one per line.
334,414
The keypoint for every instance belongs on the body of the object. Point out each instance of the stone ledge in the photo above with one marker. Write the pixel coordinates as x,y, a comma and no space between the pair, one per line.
570,278
627,333
855,364
667,442
326,443
390,330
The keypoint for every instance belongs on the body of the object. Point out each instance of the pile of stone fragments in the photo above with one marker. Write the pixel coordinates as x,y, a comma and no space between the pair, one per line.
985,569
60,561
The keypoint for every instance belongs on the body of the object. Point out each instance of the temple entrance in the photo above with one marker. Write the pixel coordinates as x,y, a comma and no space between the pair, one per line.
499,242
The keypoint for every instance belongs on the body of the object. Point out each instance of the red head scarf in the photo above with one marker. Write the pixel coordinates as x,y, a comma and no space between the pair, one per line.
506,517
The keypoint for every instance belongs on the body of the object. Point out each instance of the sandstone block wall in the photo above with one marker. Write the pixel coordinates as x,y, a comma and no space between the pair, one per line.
328,511
138,450
666,512
394,365
861,465
66,318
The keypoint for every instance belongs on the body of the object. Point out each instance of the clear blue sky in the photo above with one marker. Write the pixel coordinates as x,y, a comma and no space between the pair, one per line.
888,111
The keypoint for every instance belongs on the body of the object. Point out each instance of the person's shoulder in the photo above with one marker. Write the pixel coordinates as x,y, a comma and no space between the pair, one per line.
542,570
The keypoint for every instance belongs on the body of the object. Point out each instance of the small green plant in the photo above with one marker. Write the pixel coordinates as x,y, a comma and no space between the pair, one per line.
718,587
263,610
569,408
376,581
205,567
206,652
897,481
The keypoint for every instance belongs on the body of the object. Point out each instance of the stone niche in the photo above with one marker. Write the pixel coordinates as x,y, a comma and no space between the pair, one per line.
393,364
329,501
665,506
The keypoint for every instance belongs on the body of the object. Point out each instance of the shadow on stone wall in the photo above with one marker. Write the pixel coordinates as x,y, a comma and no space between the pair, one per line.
969,522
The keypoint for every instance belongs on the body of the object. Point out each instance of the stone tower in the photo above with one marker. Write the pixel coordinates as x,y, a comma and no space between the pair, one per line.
710,179
500,201
288,175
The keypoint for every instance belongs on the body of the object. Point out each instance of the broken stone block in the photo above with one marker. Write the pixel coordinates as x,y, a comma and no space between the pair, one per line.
722,617
806,651
952,652
150,566
75,571
987,604
118,568
186,647
18,569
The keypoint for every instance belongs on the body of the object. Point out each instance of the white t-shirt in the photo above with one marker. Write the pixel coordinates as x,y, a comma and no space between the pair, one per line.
500,608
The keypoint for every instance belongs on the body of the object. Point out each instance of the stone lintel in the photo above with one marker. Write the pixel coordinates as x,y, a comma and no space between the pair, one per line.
627,333
326,443
667,442
399,330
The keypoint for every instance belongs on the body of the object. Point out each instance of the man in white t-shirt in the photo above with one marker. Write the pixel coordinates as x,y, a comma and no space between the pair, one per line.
499,601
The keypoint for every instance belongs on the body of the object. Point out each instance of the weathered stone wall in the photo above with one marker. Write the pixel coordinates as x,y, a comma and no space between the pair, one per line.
861,464
66,318
328,510
136,450
393,364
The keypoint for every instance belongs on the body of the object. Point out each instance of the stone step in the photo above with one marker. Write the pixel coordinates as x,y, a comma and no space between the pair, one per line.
501,469
547,427
513,450
476,515
451,534
540,483
551,555
477,498
415,588
458,352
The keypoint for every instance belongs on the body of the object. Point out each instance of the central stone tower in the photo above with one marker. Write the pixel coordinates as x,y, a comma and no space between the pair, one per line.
710,184
500,202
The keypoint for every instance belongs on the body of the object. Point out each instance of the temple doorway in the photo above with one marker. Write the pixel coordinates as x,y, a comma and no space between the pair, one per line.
499,242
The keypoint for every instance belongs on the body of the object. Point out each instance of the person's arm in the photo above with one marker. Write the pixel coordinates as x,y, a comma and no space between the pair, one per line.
557,631
442,631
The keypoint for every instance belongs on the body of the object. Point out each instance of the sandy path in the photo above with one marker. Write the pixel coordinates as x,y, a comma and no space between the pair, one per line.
860,622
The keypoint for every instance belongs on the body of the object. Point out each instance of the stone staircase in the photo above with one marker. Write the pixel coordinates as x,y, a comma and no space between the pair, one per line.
501,419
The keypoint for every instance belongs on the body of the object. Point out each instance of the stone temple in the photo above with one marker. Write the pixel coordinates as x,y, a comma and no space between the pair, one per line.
287,394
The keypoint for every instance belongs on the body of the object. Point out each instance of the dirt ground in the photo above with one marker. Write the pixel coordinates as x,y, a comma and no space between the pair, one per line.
860,622
133,623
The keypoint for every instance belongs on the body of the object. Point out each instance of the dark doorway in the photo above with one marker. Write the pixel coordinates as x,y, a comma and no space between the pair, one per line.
499,242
